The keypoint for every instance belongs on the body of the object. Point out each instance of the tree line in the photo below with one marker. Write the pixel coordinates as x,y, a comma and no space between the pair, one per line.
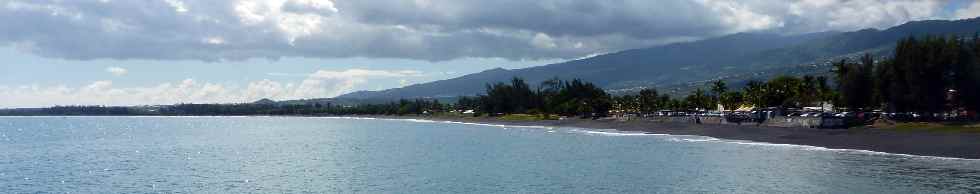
553,96
401,107
781,91
927,75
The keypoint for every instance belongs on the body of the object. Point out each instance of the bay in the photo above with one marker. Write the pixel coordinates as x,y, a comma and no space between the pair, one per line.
353,155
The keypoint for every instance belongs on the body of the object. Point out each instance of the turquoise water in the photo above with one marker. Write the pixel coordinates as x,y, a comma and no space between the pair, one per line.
343,155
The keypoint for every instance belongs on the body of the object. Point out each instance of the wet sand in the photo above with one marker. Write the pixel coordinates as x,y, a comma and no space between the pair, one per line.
956,145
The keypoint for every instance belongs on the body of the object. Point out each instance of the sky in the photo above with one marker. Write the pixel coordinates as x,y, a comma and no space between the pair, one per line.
144,52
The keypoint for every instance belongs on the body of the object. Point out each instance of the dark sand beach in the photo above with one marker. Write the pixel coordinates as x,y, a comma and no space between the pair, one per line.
941,144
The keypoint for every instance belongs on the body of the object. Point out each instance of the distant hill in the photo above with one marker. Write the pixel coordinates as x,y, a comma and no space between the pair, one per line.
674,67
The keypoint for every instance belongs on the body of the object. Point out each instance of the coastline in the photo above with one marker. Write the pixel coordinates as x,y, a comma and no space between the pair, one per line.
934,144
927,144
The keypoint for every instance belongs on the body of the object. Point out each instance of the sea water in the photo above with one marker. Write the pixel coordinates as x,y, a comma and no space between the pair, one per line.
353,155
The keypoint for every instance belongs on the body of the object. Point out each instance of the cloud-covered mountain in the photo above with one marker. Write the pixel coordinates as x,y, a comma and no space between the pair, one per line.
119,52
734,57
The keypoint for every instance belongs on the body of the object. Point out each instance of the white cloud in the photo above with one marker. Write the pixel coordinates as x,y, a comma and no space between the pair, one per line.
542,40
117,71
335,83
740,17
320,84
267,89
177,5
215,40
817,15
320,7
972,11
362,73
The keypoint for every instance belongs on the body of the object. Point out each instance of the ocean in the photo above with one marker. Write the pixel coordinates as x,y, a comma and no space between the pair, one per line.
358,155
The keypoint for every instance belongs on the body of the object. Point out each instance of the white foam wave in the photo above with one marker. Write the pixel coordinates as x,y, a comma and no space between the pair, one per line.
447,122
856,151
613,133
420,120
684,138
498,125
699,139
707,139
354,118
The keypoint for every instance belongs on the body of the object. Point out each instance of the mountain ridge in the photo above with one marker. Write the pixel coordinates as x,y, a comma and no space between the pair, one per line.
680,63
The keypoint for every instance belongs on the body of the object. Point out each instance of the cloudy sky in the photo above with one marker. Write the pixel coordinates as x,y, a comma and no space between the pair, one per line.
130,52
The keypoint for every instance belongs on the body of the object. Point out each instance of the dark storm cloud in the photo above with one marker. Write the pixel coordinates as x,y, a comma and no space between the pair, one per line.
217,30
642,19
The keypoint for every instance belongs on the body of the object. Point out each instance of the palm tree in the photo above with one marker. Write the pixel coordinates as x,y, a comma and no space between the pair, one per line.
755,93
719,87
649,100
808,92
731,100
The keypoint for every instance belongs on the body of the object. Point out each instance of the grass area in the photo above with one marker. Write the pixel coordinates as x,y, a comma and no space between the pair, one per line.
528,117
937,127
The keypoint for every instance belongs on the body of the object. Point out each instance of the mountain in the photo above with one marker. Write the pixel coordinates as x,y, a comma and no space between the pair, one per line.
736,57
264,101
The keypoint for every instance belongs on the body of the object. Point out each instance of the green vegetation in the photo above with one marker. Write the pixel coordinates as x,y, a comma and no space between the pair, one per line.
935,127
559,97
931,75
528,117
782,91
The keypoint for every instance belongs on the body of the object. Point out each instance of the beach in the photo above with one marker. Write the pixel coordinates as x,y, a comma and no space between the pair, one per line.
939,144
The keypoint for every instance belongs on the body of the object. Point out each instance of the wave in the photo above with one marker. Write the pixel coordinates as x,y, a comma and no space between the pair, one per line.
672,137
697,138
612,133
587,131
446,122
354,118
707,139
500,125
855,151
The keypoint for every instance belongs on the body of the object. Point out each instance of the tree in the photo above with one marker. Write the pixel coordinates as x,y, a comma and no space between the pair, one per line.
918,76
665,102
464,103
717,88
520,95
855,80
574,97
824,91
966,75
808,92
698,99
782,91
509,98
731,100
649,100
628,103
547,94
754,93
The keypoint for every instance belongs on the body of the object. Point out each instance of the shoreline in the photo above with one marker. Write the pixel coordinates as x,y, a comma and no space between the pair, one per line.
928,144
